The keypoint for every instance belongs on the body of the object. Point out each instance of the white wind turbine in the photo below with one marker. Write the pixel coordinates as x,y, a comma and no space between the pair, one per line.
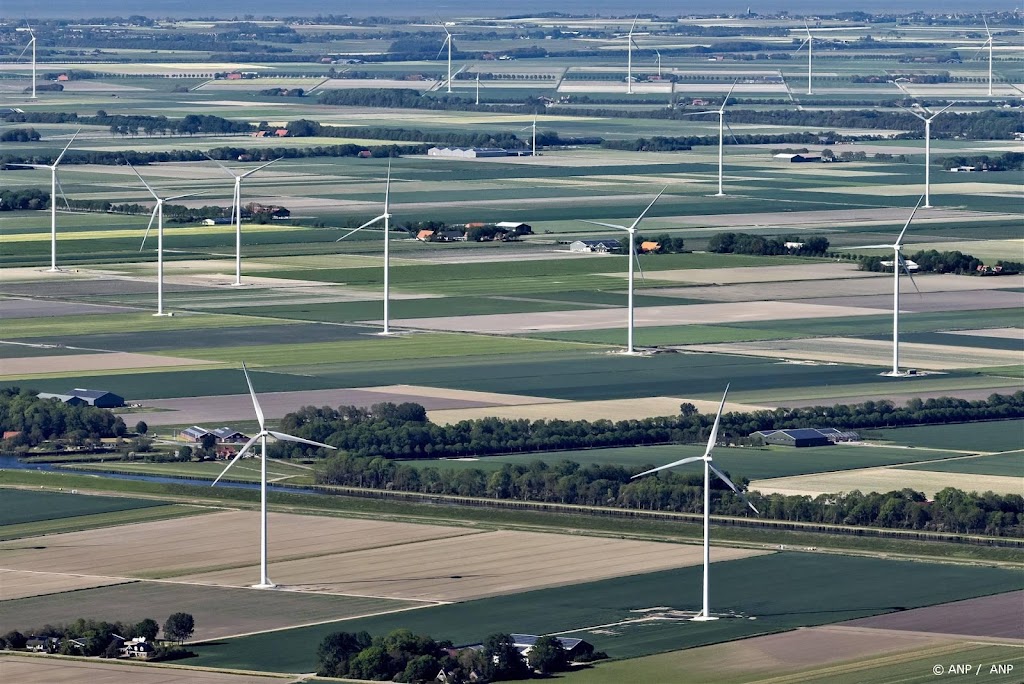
31,44
447,42
158,214
658,53
386,217
478,89
632,257
53,198
630,44
705,613
927,148
721,137
265,582
988,42
897,264
809,42
533,147
236,209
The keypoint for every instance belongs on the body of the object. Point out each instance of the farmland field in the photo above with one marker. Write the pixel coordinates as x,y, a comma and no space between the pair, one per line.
1002,435
23,506
29,670
783,591
1007,464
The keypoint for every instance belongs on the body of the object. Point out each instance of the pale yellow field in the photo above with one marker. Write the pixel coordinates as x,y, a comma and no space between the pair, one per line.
988,250
870,352
137,233
886,480
611,409
913,190
21,584
25,669
486,564
764,274
229,539
1005,333
90,362
467,395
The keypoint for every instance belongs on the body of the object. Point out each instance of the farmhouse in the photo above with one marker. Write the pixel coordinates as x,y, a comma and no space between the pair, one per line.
797,158
80,396
137,648
223,434
599,246
515,227
574,648
805,437
425,235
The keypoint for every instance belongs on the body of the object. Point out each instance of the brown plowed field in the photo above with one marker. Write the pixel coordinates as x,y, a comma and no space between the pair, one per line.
487,564
32,670
1000,615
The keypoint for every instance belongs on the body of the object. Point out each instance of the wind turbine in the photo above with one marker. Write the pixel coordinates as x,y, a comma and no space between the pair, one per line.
705,613
478,89
386,216
53,198
658,53
897,264
265,582
988,42
632,257
31,44
721,137
629,63
447,42
927,148
809,42
236,209
534,145
158,214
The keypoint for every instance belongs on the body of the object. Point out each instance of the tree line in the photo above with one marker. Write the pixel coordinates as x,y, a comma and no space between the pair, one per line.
37,420
934,261
746,243
22,200
90,637
403,430
1009,161
402,656
568,482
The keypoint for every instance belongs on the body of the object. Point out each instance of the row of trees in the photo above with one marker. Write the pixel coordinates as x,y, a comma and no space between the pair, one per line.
403,431
36,420
402,656
20,135
1009,161
89,637
745,243
568,482
933,261
21,200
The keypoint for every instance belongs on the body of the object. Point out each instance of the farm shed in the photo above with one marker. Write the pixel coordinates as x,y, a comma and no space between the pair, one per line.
226,434
517,228
600,246
805,437
99,398
194,433
574,648
797,158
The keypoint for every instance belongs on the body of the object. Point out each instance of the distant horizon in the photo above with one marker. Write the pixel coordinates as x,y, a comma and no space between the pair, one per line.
237,9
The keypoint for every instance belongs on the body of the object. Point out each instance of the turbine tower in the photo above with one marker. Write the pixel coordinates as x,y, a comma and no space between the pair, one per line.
265,582
928,148
809,42
53,198
705,613
658,53
158,214
897,264
721,137
630,44
236,209
533,146
989,42
631,229
386,217
31,44
447,42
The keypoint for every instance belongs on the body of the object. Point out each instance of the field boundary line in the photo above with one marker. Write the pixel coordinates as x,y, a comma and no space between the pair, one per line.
980,639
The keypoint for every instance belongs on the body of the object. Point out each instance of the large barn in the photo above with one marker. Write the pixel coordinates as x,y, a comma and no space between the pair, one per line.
805,437
100,398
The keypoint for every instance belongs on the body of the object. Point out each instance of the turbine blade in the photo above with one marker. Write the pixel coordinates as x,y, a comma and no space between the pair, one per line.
734,488
248,445
356,230
142,179
713,437
712,111
289,438
673,464
633,26
190,194
728,95
641,216
633,43
255,402
911,111
226,169
30,166
25,49
899,240
734,140
261,167
636,255
944,109
151,219
61,155
444,44
801,47
63,196
903,265
983,18
606,225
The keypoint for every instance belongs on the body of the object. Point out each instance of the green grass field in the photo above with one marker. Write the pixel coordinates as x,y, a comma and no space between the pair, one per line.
159,511
1000,435
754,464
1008,465
244,471
18,506
783,591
